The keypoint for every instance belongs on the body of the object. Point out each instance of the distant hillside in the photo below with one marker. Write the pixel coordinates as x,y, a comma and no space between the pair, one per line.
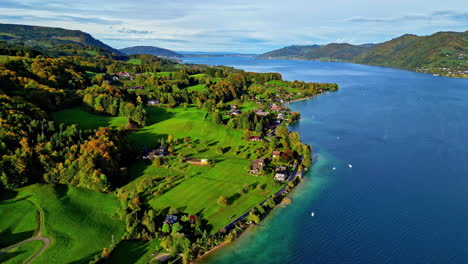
294,50
46,37
444,53
440,50
335,51
150,50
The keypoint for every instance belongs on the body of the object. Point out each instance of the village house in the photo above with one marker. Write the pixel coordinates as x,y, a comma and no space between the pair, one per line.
160,152
276,154
171,219
235,112
153,102
260,112
257,166
281,173
254,138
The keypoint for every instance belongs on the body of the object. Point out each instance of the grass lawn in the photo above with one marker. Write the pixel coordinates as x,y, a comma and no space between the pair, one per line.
198,88
135,61
163,73
198,188
134,251
80,222
87,120
22,253
18,221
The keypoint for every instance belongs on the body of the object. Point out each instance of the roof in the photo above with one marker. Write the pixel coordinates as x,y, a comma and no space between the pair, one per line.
171,219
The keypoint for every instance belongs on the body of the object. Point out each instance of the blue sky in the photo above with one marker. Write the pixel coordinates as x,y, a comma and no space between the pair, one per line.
252,26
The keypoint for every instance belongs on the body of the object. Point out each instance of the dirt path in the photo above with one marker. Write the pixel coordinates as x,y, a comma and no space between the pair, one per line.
37,237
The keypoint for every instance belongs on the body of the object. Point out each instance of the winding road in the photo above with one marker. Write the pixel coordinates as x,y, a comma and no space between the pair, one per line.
37,237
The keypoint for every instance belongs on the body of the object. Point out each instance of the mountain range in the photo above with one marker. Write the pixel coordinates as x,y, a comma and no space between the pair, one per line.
150,50
443,53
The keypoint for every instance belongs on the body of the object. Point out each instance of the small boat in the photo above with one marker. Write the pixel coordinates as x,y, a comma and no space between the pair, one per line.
312,214
334,168
337,137
349,165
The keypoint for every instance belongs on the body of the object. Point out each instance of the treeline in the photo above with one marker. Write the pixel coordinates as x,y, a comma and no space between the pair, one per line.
34,149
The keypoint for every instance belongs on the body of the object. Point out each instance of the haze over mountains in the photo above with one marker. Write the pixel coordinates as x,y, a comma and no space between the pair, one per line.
150,50
444,53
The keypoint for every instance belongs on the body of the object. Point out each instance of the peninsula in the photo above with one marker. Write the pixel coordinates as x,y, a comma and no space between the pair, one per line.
130,158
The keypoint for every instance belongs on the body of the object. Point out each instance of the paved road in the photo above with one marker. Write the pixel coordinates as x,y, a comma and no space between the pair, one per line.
37,237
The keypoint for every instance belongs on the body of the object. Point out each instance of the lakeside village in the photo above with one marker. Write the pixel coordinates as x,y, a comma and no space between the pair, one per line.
251,149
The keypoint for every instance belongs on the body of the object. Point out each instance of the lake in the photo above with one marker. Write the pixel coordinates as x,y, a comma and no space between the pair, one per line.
405,199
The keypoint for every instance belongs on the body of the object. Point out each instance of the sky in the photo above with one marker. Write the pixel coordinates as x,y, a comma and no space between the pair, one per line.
253,26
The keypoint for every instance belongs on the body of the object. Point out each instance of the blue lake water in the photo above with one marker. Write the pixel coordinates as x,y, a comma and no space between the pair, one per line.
405,199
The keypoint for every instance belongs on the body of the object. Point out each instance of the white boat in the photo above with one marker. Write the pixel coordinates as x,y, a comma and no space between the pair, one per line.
334,168
349,165
312,214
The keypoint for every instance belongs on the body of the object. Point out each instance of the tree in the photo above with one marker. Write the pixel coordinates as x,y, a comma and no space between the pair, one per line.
219,150
253,217
222,200
105,253
166,228
217,118
282,131
176,227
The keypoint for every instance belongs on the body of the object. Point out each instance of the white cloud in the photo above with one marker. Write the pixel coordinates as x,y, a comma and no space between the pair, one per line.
239,25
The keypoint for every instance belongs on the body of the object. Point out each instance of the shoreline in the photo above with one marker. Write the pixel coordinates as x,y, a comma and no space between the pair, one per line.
250,227
386,66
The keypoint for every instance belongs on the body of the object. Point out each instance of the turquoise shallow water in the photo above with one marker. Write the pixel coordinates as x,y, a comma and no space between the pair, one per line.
406,198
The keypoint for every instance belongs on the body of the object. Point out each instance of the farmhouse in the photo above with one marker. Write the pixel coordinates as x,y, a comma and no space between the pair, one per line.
161,151
254,138
257,166
276,154
235,111
260,112
153,102
171,219
281,173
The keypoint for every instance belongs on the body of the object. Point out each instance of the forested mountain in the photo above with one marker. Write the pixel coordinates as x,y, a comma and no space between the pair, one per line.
335,51
45,37
443,53
440,50
150,50
294,50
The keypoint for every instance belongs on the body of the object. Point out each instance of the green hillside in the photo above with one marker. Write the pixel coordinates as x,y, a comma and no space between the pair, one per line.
335,51
150,50
47,37
426,53
294,50
443,53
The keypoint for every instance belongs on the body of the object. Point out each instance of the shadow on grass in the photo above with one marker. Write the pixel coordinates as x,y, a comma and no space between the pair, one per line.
86,259
128,251
157,114
231,199
10,255
7,238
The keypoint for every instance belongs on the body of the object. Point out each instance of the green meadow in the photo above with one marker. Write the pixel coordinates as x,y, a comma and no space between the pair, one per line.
19,221
79,222
21,253
87,120
198,188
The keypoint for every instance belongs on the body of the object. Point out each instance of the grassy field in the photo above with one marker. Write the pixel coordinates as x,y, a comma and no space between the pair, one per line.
22,253
18,221
134,251
198,87
135,61
87,120
80,222
198,188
